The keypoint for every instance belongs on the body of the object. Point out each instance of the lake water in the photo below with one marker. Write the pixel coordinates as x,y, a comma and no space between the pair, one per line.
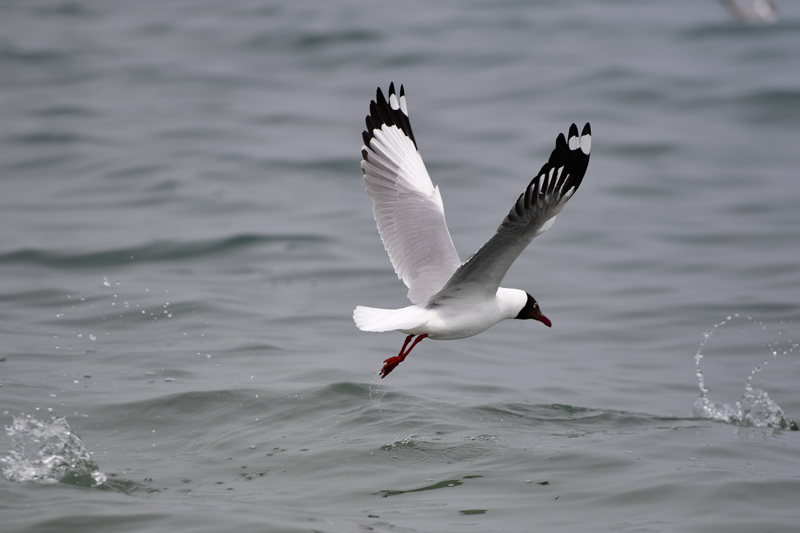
184,234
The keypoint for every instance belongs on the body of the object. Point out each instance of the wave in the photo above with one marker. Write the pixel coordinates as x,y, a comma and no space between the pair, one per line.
151,252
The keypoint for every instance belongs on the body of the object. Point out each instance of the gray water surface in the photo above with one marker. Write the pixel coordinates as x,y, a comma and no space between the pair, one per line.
184,234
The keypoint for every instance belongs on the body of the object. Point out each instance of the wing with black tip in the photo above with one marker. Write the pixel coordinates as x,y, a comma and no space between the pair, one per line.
533,213
407,206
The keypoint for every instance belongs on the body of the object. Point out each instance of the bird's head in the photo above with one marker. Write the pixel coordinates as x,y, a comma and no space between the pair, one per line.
531,310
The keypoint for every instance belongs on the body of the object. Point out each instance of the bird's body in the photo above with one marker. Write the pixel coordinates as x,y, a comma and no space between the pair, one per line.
444,322
451,299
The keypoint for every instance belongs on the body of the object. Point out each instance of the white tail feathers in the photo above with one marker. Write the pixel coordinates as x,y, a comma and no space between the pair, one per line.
373,319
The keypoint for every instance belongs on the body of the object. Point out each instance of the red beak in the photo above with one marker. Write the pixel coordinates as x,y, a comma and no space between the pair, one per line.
544,320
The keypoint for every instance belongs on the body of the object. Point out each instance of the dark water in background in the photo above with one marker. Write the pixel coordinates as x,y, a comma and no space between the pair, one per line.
184,234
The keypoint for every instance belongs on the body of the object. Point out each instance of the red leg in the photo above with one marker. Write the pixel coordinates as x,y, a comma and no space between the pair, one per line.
392,362
408,339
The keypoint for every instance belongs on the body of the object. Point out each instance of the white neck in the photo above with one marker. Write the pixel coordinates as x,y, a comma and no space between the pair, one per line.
511,301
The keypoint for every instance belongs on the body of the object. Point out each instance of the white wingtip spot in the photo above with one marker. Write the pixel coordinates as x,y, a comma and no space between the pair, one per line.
573,143
393,102
546,226
403,107
586,144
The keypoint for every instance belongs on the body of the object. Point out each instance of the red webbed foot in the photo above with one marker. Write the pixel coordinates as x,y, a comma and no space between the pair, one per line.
392,362
390,365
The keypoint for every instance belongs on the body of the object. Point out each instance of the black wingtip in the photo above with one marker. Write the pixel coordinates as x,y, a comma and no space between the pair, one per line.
561,141
380,107
573,130
571,153
381,112
558,154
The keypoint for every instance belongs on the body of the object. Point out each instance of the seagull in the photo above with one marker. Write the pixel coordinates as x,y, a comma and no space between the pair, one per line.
450,299
758,12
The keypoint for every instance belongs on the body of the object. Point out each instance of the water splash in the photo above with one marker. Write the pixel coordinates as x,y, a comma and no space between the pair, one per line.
756,408
48,452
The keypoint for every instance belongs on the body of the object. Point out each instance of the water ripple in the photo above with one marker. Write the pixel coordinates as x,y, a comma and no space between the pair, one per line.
150,252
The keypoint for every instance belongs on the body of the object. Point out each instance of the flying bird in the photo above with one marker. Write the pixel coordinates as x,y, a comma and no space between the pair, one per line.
758,12
451,299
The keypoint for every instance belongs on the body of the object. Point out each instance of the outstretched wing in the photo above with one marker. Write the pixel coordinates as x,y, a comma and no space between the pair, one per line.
533,214
408,208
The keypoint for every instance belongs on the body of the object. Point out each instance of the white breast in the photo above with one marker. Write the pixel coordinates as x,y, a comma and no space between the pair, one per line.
459,319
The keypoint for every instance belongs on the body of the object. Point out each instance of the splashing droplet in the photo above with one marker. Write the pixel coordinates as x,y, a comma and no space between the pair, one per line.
755,408
48,452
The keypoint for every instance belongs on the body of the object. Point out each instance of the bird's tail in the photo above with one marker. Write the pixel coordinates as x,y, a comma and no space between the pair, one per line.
373,319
